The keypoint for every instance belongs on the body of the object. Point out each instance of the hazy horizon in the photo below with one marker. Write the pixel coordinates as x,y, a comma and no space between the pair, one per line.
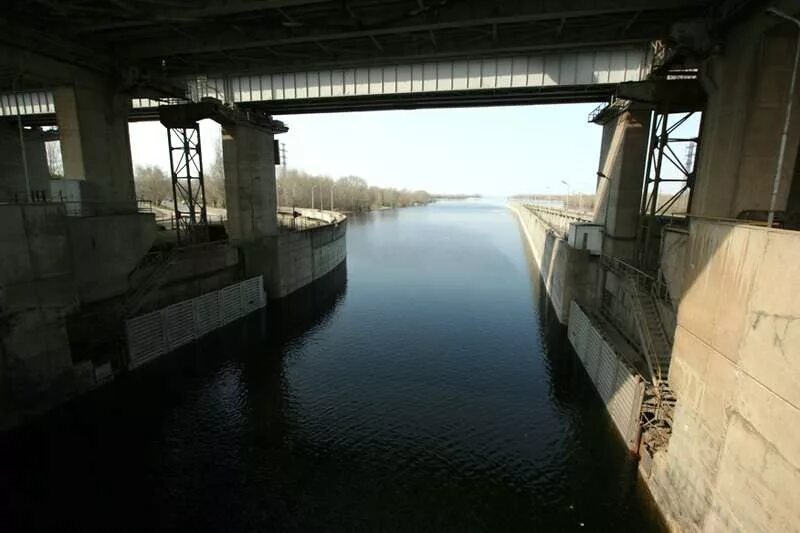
492,151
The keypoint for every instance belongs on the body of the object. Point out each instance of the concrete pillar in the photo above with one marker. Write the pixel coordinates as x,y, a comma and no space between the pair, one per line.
250,194
623,156
95,146
12,170
747,89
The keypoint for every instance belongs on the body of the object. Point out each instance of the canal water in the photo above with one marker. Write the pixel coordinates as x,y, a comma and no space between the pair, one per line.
423,387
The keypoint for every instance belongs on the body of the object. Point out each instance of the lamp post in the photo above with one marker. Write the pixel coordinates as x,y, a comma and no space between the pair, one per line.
312,195
568,193
333,186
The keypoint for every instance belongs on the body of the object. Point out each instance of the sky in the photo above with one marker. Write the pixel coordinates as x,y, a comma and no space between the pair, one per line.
494,151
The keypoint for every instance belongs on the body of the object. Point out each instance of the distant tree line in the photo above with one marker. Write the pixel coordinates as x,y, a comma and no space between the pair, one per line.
350,193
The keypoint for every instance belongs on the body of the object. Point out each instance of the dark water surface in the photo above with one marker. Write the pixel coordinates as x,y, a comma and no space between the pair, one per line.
425,387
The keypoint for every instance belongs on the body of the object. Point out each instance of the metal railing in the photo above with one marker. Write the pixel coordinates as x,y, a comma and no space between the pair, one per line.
80,207
643,285
300,219
557,220
623,267
289,222
656,286
645,337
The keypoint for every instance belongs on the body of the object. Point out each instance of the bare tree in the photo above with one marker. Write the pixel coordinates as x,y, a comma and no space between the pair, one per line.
152,184
349,193
215,179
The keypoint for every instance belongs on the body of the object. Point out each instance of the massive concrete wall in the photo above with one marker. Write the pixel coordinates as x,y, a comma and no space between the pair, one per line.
567,273
747,92
105,249
733,461
37,292
305,256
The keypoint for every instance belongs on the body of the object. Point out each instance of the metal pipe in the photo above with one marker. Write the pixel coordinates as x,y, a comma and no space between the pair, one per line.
784,134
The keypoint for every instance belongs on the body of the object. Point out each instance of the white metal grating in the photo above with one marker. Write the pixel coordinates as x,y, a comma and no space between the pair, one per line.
606,375
154,334
620,389
252,294
532,71
179,324
231,303
206,313
145,338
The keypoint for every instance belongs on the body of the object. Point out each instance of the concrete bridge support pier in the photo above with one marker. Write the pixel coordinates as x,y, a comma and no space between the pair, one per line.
250,191
251,197
623,155
95,146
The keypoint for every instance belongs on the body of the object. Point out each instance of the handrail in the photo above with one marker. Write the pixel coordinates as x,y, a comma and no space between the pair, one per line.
639,279
563,218
648,346
627,268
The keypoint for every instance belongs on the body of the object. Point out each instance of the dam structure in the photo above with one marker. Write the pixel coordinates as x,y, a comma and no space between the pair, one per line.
678,289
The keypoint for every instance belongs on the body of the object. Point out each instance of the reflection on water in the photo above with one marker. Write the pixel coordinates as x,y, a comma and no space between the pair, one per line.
426,386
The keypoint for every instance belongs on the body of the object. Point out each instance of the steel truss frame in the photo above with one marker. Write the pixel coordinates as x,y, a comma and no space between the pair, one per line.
188,188
659,152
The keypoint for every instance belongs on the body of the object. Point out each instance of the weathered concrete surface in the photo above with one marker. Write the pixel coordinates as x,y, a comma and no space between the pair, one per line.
747,92
623,155
733,461
196,270
12,171
674,250
95,146
301,257
567,273
250,191
37,292
105,249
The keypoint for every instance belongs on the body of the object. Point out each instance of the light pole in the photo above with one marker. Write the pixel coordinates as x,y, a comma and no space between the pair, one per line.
333,186
312,195
568,193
